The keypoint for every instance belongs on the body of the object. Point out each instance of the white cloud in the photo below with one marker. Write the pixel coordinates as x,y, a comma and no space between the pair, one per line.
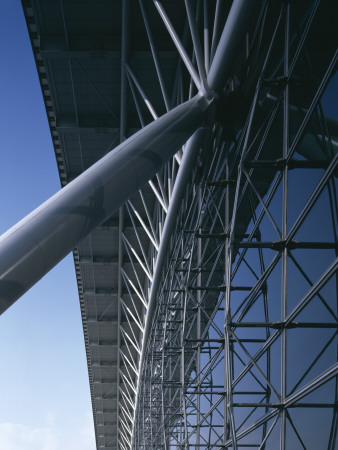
17,437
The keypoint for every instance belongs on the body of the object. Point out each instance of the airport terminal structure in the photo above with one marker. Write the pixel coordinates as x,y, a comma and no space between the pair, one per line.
197,149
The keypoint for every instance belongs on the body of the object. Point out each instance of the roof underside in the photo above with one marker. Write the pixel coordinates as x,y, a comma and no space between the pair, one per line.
79,49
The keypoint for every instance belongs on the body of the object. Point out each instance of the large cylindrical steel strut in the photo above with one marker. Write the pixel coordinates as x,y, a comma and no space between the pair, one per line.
37,243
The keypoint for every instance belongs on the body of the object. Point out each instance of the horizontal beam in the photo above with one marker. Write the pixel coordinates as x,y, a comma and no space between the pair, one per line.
105,381
103,342
80,53
101,291
106,292
105,319
79,47
97,128
98,260
113,222
102,261
105,424
104,364
104,124
56,45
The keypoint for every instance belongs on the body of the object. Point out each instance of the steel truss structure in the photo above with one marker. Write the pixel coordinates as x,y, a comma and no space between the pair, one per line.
225,310
240,295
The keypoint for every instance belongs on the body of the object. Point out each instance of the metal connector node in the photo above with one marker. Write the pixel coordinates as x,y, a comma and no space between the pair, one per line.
207,95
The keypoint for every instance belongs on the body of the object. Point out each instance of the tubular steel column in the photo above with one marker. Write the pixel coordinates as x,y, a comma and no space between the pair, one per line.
285,228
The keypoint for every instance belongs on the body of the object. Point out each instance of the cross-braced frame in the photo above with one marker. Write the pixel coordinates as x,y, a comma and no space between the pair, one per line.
242,351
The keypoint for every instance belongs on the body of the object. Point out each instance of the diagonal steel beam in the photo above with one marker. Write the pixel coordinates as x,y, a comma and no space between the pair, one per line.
230,42
36,244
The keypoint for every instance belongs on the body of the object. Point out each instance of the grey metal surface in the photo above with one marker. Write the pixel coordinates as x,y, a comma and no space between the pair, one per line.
38,242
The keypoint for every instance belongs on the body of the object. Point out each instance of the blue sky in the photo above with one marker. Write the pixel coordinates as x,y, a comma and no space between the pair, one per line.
44,388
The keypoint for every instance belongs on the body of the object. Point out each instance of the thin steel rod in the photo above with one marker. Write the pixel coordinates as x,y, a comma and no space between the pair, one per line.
139,294
155,56
140,291
137,105
145,269
152,238
195,39
321,379
85,73
142,92
148,215
158,196
130,358
206,35
291,316
184,55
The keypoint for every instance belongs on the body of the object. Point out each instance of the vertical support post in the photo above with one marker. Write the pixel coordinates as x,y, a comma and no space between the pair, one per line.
119,296
162,393
182,375
227,266
198,337
151,403
284,228
123,128
206,36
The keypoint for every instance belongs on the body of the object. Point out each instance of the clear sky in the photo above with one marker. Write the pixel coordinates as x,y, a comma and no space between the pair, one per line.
44,388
